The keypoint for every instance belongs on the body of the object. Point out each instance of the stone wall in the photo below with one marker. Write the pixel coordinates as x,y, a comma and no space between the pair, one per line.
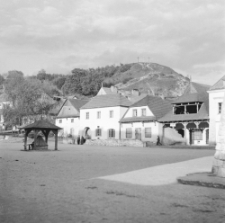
114,142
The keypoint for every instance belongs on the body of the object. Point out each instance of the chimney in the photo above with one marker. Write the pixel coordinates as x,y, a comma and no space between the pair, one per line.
114,89
135,92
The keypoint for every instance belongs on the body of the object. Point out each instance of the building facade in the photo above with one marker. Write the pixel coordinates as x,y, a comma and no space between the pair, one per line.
216,95
190,115
68,117
101,115
141,119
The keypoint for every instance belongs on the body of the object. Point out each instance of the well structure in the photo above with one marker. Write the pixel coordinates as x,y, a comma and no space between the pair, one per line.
45,127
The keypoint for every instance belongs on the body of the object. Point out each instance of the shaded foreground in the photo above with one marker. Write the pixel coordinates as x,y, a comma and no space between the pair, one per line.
62,186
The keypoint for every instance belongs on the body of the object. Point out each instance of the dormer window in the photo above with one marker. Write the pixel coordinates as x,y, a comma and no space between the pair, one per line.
134,112
187,108
143,111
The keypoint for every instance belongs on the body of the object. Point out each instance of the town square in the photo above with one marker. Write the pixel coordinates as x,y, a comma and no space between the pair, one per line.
112,111
68,185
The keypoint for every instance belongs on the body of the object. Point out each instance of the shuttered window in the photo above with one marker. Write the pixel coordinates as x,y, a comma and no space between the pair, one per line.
129,133
111,133
148,132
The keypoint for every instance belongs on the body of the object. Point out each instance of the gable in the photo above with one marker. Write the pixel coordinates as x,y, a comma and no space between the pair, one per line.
129,112
220,84
68,111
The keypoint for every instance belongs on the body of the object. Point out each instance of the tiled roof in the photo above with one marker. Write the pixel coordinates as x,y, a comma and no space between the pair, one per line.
157,105
108,90
67,112
110,100
194,92
136,98
201,115
78,103
219,84
41,124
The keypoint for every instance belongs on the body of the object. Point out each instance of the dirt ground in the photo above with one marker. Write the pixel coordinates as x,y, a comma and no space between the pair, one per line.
63,186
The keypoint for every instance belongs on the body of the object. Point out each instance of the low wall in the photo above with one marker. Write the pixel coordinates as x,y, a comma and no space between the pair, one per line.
114,142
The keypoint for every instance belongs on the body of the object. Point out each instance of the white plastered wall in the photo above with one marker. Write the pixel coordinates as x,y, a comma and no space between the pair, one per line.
156,130
104,123
215,97
68,126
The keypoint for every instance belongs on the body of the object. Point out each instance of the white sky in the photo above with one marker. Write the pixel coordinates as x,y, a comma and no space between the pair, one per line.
60,35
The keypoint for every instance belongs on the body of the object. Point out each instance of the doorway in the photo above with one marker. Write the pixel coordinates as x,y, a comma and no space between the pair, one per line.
138,133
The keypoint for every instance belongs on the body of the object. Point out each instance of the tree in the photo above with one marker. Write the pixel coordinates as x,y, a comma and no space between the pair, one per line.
2,79
41,75
59,81
12,84
30,100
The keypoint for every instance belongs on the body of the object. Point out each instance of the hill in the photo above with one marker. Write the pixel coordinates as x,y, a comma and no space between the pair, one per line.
151,78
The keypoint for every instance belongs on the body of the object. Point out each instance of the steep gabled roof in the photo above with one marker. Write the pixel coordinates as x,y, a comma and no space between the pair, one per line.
194,92
203,114
78,103
110,100
219,84
157,105
67,112
108,90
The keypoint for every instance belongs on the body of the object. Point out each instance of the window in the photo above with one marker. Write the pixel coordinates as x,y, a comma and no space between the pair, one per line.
219,107
148,132
111,114
135,112
197,134
98,114
87,115
143,111
60,120
98,132
72,120
129,133
111,133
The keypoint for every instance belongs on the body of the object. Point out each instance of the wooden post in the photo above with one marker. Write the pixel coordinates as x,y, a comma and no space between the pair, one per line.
46,136
25,139
56,139
35,138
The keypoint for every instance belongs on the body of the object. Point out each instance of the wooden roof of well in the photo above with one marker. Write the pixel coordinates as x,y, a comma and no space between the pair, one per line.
41,124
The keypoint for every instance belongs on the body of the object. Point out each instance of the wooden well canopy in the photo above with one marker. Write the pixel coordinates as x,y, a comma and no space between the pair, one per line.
43,126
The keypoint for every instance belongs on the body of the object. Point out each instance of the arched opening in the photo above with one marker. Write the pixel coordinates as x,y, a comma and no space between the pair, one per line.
87,133
191,125
180,129
203,125
181,132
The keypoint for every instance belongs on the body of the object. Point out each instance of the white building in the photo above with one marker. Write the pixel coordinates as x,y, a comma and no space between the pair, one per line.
216,94
141,119
68,117
101,115
190,115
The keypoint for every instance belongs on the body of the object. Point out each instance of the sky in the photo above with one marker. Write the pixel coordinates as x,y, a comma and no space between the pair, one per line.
60,35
